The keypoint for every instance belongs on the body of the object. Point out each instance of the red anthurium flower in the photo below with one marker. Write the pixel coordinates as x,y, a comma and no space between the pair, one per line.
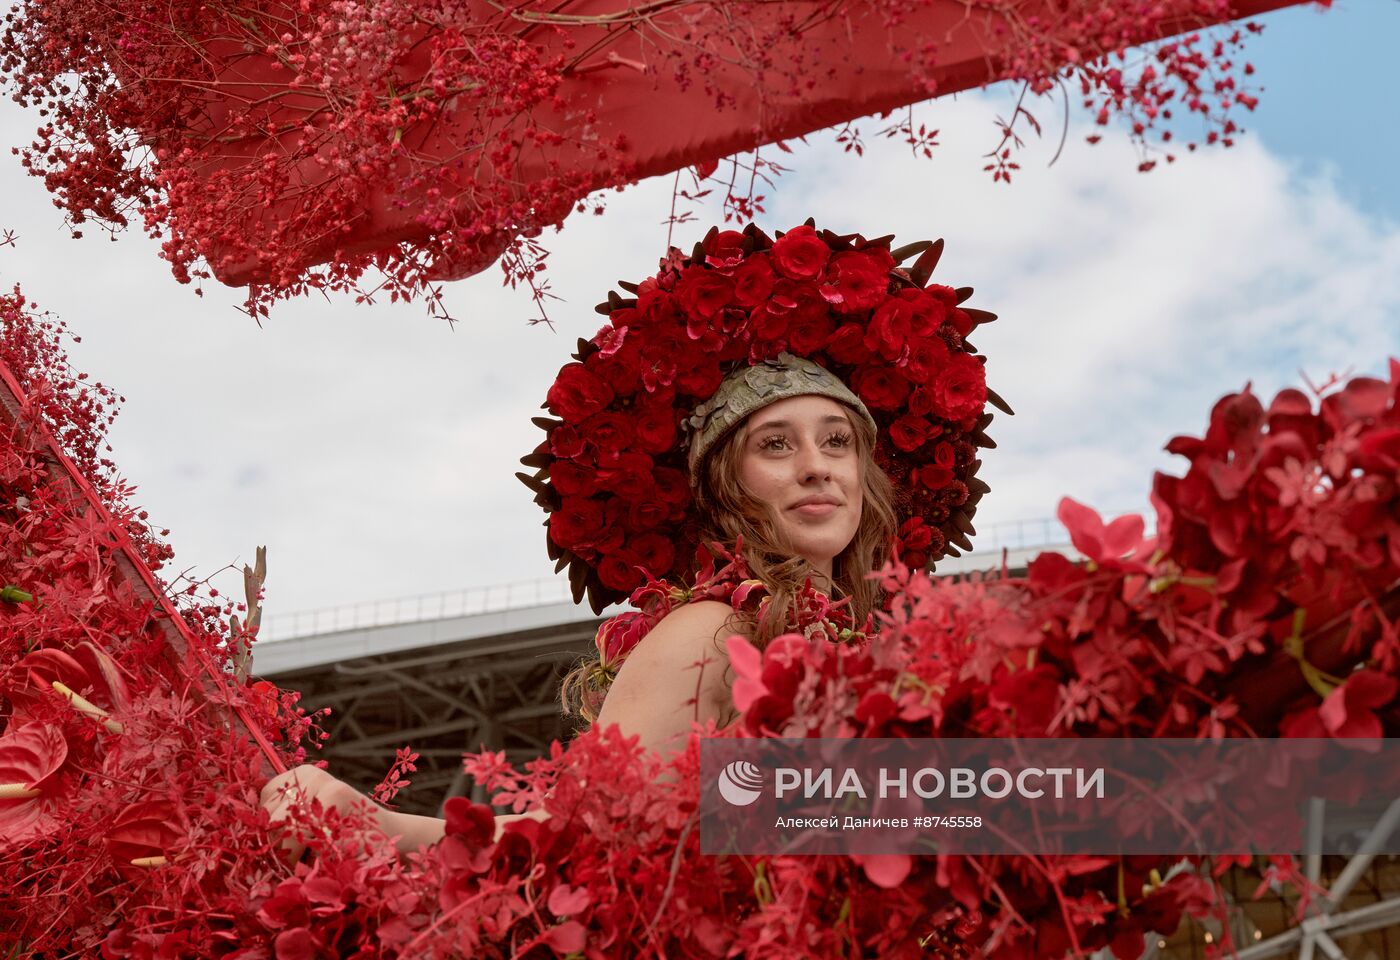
30,756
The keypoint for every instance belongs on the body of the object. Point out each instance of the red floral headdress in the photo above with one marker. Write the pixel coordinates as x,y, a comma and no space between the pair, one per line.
611,472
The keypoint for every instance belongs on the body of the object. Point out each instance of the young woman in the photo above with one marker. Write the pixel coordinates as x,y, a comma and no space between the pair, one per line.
728,406
795,483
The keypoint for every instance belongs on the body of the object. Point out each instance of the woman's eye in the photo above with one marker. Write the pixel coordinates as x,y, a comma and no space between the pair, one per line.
772,443
839,440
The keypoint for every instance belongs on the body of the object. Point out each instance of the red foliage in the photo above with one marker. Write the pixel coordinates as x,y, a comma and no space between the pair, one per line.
428,138
1270,595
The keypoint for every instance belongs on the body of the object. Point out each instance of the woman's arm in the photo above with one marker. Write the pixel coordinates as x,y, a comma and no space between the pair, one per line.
674,677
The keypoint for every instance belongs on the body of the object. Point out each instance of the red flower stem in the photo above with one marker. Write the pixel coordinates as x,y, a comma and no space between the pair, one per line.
16,405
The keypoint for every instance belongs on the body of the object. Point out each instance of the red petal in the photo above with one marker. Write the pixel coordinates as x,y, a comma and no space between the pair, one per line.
31,754
1085,527
1123,536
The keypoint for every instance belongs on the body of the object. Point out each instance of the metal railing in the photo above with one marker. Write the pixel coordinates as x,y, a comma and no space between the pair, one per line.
497,598
522,594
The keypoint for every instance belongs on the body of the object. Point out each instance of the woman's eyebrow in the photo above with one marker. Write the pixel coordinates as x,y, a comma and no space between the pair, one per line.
784,424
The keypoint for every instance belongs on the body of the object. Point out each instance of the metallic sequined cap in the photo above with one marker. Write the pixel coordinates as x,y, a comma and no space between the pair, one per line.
752,388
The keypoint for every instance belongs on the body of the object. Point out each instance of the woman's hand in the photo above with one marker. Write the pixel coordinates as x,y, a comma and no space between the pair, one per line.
305,783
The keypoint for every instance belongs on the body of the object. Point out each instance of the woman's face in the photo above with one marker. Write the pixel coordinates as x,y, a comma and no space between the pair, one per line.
800,457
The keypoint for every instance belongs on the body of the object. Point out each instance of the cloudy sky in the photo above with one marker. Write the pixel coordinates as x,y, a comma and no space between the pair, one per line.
372,448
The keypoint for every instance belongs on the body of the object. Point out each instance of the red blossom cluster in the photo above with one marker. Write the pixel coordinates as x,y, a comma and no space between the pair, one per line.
129,826
611,472
400,141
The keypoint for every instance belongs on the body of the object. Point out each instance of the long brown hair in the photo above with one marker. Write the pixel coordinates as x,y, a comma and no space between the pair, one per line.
730,515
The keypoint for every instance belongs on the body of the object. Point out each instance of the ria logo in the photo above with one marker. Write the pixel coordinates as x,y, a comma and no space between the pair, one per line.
741,783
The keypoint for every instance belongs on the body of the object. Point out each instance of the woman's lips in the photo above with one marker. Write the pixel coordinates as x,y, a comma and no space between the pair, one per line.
816,510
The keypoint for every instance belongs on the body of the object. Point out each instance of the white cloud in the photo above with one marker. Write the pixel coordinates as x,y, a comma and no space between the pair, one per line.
372,448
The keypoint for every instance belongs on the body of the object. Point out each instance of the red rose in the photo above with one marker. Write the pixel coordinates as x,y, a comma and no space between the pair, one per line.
909,432
944,456
564,442
619,572
655,424
880,387
672,486
577,522
704,293
768,323
890,328
654,553
628,475
809,333
800,254
926,359
915,534
960,390
646,515
703,380
608,431
577,393
753,281
847,345
919,402
725,249
572,479
927,314
961,321
858,280
933,476
654,305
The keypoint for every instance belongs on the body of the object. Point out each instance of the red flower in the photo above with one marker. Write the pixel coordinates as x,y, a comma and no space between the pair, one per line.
933,476
564,442
1349,710
577,393
628,475
573,479
800,254
608,431
655,427
909,432
960,390
654,553
926,313
618,635
809,332
647,515
753,281
704,293
1103,545
880,387
618,571
915,534
672,486
847,345
724,250
858,279
577,522
926,359
890,328
944,456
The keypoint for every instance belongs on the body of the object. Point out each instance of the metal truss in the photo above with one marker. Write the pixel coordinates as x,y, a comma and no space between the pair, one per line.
494,693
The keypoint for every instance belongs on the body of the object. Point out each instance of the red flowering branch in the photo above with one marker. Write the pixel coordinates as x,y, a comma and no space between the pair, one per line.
376,148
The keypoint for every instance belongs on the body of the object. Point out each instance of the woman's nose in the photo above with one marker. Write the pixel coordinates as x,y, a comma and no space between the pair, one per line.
811,465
